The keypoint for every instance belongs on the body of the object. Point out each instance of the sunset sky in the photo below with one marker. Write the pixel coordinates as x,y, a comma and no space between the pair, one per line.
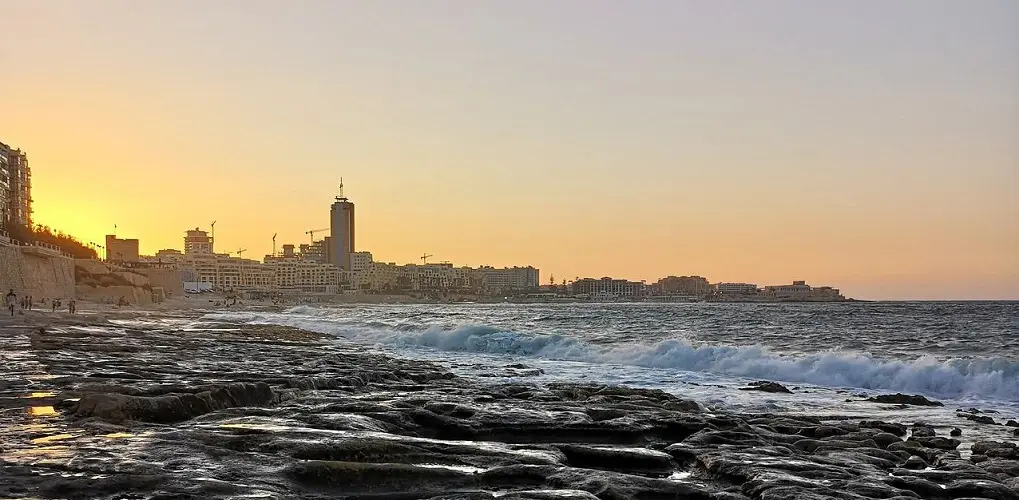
870,145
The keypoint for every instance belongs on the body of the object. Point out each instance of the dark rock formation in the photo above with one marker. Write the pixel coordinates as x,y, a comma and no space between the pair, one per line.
980,419
175,407
766,386
904,399
915,463
278,413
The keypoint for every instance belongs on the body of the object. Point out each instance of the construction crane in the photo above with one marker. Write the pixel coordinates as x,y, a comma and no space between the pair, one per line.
424,258
274,244
241,252
312,232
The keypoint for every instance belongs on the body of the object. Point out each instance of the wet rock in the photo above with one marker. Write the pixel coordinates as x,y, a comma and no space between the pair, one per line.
956,432
982,447
827,431
899,398
766,386
993,449
812,445
1000,467
628,460
353,477
1012,482
915,463
713,438
980,419
980,489
889,427
920,432
617,486
1012,423
922,487
939,443
174,407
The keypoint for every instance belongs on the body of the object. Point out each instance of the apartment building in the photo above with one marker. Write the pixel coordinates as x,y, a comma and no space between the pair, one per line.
608,288
15,187
509,279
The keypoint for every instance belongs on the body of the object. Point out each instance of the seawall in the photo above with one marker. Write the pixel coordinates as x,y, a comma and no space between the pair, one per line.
35,271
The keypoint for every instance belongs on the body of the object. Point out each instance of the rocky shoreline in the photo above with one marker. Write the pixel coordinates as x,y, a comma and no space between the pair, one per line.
95,410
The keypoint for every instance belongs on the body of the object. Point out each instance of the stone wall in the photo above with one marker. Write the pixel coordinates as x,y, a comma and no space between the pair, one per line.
172,282
35,271
113,294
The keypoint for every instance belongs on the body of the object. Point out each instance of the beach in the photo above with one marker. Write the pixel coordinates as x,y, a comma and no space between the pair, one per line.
195,402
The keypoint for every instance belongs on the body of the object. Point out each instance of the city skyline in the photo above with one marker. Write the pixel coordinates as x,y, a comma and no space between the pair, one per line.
880,158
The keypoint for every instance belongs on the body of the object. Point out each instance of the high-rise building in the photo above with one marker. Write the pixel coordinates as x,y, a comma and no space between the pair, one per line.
15,187
197,242
341,225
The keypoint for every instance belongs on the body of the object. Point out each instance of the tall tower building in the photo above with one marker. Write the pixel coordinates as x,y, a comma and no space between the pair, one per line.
341,225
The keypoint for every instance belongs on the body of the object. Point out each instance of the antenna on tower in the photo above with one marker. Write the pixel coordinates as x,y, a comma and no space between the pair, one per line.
340,196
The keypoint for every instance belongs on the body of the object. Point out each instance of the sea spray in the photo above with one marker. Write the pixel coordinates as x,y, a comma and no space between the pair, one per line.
994,378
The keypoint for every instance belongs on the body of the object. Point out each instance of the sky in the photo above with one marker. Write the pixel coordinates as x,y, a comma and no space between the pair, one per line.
873,146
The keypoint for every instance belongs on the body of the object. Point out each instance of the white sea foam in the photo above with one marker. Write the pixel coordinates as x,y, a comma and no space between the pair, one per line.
994,378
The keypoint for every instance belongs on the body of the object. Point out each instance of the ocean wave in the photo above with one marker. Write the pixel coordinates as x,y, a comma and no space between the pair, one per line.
996,378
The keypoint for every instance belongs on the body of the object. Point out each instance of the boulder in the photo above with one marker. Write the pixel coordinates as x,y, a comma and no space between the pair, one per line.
915,463
905,399
939,443
980,419
766,386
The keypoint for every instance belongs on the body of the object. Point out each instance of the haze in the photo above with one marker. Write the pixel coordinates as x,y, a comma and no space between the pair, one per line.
872,146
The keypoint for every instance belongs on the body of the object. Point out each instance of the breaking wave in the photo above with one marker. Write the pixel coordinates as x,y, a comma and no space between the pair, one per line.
996,378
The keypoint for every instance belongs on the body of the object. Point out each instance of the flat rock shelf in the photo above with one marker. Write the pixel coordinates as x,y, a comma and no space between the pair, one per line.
94,410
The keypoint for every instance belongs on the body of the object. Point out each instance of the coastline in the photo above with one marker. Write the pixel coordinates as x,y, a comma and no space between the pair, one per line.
121,402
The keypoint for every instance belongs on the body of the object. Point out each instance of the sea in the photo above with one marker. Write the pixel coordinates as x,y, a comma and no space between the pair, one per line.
832,355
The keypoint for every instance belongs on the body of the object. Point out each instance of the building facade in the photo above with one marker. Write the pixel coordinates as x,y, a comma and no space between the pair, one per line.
609,288
509,279
299,276
800,291
341,227
687,286
121,250
359,261
197,242
736,288
15,187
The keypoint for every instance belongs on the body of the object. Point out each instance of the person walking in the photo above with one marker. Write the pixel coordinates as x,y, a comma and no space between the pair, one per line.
11,299
72,307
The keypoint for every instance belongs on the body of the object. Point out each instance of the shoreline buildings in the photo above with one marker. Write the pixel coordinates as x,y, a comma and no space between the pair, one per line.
333,266
330,266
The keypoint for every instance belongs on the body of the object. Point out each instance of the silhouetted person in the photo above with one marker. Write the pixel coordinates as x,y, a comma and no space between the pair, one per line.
54,303
72,307
11,300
